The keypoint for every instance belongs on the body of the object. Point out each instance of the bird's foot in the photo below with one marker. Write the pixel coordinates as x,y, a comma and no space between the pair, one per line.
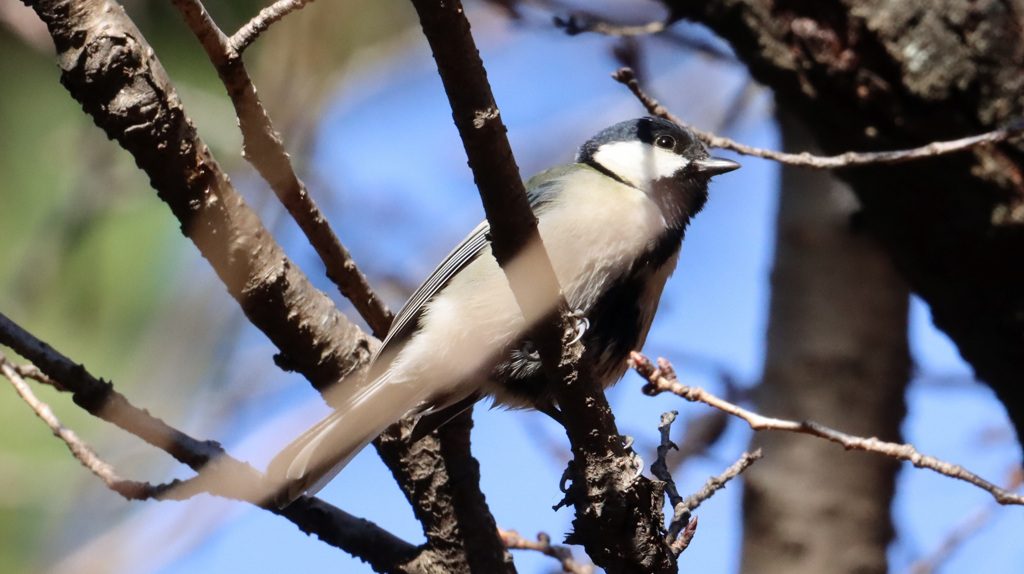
580,325
636,462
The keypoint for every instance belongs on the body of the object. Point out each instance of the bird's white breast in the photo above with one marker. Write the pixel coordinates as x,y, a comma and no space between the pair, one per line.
596,233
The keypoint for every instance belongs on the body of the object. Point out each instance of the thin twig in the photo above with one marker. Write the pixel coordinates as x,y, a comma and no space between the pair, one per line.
580,21
682,511
659,468
99,398
219,473
683,542
211,38
513,541
248,33
657,383
81,450
682,527
716,483
513,230
804,159
33,372
264,149
129,95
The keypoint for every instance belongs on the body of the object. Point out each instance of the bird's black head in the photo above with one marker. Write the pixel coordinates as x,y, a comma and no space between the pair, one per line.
641,151
659,157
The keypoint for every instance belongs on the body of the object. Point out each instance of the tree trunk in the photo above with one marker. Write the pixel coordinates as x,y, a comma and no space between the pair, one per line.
837,354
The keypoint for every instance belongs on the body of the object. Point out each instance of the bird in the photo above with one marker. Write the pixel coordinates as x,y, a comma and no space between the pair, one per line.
612,223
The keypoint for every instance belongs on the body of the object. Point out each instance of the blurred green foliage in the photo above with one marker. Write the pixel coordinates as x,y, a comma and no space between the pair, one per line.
86,261
92,262
89,258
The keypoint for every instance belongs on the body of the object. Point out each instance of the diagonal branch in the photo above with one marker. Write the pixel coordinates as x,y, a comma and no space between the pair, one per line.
441,480
219,473
513,227
606,493
81,450
657,383
248,33
98,398
683,510
455,504
265,150
108,66
804,159
961,533
716,483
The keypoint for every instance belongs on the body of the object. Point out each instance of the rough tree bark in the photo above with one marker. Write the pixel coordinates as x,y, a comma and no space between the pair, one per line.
883,74
837,354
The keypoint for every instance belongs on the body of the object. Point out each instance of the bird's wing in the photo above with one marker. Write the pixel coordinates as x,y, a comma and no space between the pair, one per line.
365,407
368,406
540,190
406,319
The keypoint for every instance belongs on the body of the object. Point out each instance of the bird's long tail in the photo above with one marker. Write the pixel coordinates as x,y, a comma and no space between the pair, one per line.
318,455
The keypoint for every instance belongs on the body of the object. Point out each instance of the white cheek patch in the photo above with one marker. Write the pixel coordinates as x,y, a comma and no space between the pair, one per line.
638,163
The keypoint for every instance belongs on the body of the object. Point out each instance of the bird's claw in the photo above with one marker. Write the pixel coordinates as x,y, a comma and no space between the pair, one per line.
581,324
563,485
566,477
636,461
638,464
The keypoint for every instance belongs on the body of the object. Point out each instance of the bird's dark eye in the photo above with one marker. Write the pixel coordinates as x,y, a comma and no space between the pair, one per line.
665,142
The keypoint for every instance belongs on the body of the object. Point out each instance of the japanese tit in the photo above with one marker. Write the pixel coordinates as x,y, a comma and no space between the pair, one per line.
612,224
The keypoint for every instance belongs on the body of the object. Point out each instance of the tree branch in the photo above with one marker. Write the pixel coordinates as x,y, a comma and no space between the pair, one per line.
716,483
618,517
513,541
98,398
659,468
681,528
580,22
804,159
81,450
359,537
513,227
248,33
110,69
218,473
962,533
657,383
264,149
953,541
440,478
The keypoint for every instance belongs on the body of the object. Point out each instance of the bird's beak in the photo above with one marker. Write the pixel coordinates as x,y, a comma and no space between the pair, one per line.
715,166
